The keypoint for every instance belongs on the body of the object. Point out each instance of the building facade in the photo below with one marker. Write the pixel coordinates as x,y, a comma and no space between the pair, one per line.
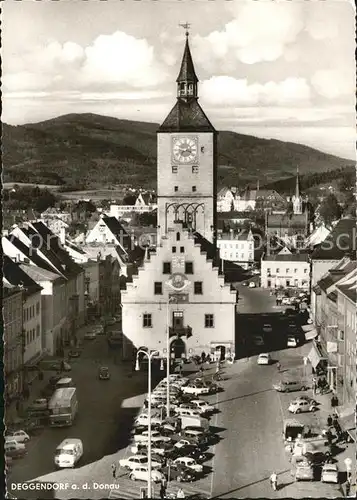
12,300
178,290
238,248
285,270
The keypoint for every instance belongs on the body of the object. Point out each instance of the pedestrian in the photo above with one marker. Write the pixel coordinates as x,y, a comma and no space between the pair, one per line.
180,369
201,369
180,493
114,470
278,366
274,481
203,357
348,487
329,421
162,490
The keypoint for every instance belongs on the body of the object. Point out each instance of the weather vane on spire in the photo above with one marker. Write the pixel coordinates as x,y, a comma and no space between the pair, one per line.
187,26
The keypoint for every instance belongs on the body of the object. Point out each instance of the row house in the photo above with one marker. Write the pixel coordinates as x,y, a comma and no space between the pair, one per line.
32,310
238,248
347,324
35,245
340,242
12,298
334,350
285,270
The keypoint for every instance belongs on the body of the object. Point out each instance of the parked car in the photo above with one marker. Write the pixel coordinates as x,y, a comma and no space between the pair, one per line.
18,436
103,373
195,436
91,335
289,386
304,471
194,389
74,353
40,404
53,380
329,473
286,301
188,442
264,359
252,284
316,458
143,419
258,340
203,406
189,462
13,449
179,473
141,473
267,328
158,448
190,450
155,437
292,341
62,366
245,283
306,398
136,460
299,406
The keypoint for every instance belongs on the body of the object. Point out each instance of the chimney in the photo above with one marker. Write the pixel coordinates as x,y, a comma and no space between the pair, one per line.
62,236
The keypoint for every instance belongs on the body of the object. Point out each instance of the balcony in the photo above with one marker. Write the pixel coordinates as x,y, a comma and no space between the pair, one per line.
176,331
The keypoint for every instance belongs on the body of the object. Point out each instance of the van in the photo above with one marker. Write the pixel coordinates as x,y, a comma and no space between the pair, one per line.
290,386
64,383
68,453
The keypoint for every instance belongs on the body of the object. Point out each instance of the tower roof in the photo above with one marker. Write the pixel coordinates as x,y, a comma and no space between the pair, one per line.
186,117
187,70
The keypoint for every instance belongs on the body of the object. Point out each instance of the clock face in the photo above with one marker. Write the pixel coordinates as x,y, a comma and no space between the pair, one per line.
185,149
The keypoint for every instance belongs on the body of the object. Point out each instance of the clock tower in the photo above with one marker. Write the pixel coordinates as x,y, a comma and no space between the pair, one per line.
187,164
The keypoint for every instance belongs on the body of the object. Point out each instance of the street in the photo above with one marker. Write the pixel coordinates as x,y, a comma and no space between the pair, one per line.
249,422
102,423
252,414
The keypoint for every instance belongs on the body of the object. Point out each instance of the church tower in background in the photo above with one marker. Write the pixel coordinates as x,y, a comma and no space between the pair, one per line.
187,164
297,199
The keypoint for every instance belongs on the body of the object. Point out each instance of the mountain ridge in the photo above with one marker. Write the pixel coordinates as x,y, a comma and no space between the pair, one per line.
93,150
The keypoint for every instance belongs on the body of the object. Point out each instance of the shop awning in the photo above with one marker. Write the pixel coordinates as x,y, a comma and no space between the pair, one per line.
314,356
311,334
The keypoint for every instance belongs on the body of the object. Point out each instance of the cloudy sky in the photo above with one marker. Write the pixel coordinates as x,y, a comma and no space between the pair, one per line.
279,69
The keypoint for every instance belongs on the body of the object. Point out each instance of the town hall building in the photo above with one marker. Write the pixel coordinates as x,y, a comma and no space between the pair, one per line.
179,290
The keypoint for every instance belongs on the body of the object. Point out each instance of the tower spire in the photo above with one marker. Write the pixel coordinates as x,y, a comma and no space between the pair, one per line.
297,186
187,79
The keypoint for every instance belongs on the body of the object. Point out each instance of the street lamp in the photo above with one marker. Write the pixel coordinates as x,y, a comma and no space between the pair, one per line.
177,283
149,355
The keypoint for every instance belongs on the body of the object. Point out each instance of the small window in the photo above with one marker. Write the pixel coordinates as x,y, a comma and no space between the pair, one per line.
194,189
202,149
209,321
188,267
277,270
37,330
37,308
295,270
173,249
176,188
178,236
174,169
182,249
158,288
195,169
269,283
166,268
147,320
287,270
287,282
268,270
198,287
305,271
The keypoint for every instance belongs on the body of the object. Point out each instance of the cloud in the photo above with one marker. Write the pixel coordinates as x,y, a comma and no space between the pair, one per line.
333,83
260,32
111,60
229,91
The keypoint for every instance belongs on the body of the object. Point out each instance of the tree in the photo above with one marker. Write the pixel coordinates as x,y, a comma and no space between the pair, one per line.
330,210
129,199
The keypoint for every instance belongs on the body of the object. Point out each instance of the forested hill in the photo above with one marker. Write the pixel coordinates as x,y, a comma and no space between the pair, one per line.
90,150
